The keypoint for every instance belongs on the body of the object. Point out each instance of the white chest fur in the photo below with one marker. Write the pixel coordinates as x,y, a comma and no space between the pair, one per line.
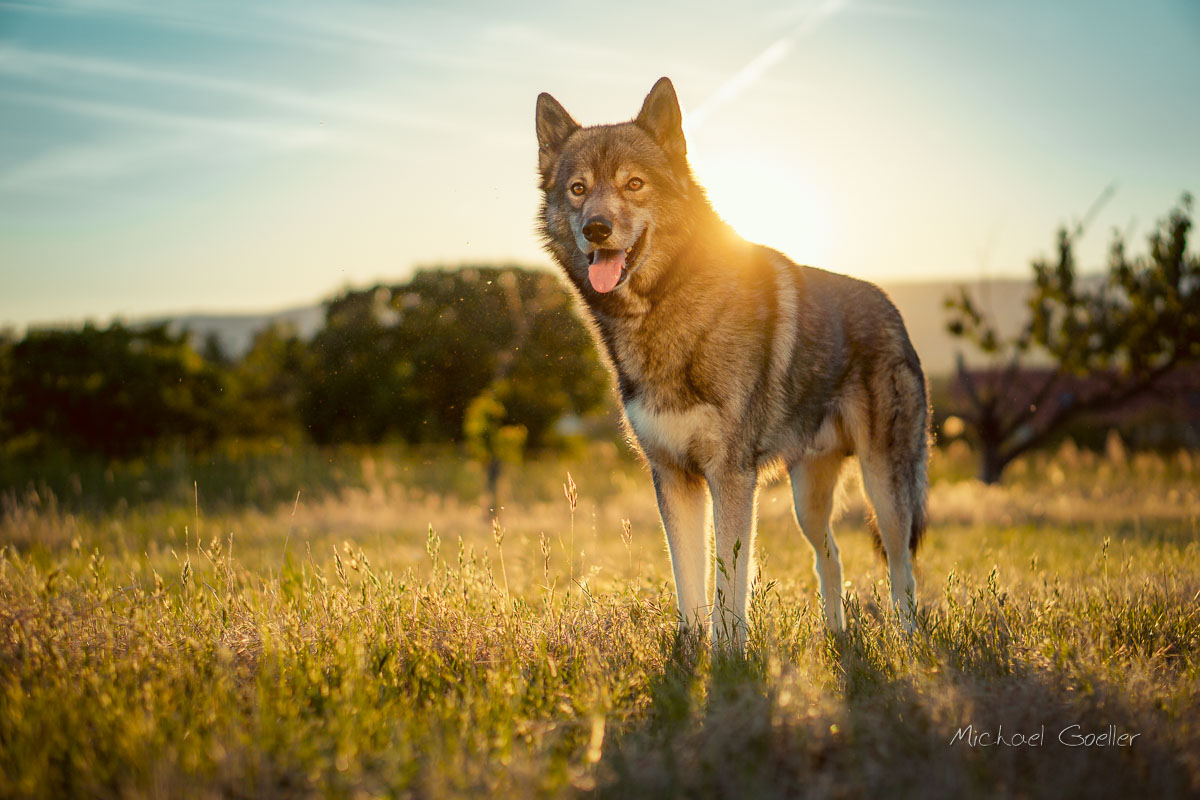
683,435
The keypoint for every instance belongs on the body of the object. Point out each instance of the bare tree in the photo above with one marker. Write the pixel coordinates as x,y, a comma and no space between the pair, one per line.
1105,342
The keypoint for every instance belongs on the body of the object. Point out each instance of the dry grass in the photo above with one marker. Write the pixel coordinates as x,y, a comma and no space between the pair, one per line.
402,646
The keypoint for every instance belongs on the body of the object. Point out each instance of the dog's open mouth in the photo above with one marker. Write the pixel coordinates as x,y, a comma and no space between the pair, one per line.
607,268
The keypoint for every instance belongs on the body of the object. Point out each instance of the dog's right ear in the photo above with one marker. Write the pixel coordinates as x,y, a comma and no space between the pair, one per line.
554,127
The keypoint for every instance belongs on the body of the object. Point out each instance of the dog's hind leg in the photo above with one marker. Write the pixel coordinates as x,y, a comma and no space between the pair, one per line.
734,499
683,505
813,484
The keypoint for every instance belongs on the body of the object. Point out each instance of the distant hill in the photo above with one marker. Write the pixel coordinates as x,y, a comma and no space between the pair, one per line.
920,304
236,332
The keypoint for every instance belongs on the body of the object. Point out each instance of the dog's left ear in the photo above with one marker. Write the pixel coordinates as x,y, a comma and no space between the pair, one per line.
661,118
554,127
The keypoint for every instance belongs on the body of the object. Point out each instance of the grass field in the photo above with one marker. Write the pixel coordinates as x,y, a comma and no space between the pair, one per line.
175,629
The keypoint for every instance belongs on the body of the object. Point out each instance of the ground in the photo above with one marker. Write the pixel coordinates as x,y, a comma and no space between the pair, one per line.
180,629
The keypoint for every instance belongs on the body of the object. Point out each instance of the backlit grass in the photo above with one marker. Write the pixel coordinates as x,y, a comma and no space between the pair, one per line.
381,638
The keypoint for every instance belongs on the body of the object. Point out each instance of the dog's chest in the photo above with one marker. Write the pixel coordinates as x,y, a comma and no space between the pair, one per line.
688,436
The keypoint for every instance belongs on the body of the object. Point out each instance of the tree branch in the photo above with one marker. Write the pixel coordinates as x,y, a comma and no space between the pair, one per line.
1096,402
1029,410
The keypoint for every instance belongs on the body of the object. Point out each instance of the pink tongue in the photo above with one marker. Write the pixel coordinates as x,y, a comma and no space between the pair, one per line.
605,271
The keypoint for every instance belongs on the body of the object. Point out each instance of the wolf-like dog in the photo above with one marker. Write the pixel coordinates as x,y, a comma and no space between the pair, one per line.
732,362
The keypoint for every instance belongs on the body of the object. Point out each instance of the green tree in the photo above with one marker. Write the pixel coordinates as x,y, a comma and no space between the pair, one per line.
492,442
117,391
6,346
268,384
357,380
407,360
1123,333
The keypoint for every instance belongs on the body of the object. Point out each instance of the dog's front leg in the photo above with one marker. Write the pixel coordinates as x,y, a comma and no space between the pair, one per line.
683,505
734,494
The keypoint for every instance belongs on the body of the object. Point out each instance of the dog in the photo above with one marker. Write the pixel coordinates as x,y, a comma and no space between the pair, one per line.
733,363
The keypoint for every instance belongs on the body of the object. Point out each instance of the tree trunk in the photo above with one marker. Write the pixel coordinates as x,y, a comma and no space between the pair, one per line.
493,486
991,461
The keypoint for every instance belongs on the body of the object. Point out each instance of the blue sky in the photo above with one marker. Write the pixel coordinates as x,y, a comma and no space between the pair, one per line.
175,156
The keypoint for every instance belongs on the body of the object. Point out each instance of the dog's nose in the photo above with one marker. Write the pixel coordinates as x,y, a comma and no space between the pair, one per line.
597,230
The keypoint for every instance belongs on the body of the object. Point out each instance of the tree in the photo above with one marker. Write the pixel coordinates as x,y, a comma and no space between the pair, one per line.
116,391
6,346
1105,342
354,387
268,383
492,442
408,360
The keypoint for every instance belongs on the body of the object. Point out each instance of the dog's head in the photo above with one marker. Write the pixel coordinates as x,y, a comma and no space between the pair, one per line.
614,195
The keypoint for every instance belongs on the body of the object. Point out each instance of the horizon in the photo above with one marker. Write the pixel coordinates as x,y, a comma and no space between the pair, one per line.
226,159
235,331
323,298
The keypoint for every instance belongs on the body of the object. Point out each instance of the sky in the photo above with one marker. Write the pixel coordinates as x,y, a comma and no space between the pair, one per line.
168,157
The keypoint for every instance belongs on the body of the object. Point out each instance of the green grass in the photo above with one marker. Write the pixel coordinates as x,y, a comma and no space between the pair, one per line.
341,646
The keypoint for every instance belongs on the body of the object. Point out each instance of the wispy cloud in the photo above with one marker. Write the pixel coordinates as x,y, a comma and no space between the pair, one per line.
266,132
97,162
158,137
35,64
349,31
211,19
283,118
811,17
909,11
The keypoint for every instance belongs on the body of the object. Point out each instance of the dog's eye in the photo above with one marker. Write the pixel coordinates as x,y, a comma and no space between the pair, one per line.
577,188
635,184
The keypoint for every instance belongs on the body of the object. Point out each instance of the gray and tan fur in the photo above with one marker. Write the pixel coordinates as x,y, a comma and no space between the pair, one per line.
732,362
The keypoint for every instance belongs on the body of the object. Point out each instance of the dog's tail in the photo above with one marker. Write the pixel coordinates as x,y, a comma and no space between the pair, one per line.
909,478
918,478
918,501
913,493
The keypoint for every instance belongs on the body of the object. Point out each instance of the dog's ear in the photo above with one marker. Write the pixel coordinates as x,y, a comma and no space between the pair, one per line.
554,127
661,118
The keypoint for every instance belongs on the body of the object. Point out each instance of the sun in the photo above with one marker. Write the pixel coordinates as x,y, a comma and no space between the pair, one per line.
768,201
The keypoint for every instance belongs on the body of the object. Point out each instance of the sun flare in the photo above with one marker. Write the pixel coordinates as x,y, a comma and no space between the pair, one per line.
768,202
